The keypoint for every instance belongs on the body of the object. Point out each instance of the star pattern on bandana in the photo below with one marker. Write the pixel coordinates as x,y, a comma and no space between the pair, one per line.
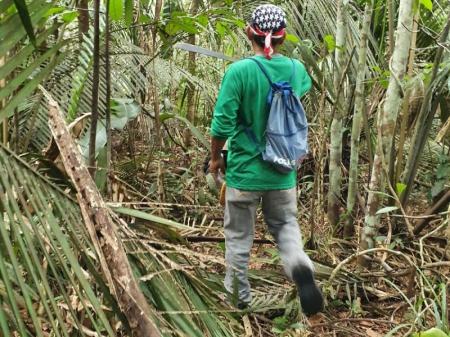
269,18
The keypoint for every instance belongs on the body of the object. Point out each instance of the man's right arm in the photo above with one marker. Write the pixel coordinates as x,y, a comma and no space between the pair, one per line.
217,162
227,105
225,117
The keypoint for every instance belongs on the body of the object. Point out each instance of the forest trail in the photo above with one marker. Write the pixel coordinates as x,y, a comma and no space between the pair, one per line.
109,226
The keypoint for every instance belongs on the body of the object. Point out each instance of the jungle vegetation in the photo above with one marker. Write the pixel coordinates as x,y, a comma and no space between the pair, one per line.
108,224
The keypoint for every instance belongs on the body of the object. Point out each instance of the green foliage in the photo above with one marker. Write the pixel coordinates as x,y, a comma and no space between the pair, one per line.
383,76
182,22
31,232
128,12
399,188
428,4
116,10
330,42
64,14
442,175
282,324
29,67
433,332
69,16
355,306
292,38
80,78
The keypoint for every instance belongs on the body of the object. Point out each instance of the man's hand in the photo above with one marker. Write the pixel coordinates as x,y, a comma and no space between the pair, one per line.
216,165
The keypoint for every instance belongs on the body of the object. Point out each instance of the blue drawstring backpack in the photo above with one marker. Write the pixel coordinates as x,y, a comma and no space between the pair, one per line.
287,128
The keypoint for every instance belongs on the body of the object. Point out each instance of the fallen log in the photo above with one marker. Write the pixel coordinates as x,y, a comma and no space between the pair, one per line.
102,230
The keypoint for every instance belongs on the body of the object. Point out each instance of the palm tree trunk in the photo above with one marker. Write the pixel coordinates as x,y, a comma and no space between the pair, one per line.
357,118
95,84
387,117
154,88
4,122
108,99
334,193
83,18
191,88
424,120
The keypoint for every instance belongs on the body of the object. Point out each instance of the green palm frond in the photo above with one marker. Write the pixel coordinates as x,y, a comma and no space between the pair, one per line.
26,66
48,281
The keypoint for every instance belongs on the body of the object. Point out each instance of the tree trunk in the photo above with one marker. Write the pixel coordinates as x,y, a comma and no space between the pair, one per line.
83,18
404,115
103,232
387,117
391,7
108,100
424,120
154,88
4,122
357,118
191,87
334,192
95,84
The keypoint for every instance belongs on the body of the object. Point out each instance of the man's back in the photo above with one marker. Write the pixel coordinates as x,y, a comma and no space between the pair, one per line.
242,102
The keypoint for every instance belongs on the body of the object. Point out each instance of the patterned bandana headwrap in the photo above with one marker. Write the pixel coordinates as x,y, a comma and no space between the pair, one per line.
268,21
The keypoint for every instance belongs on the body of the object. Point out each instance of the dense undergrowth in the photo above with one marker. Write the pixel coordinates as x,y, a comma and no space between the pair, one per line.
150,169
360,302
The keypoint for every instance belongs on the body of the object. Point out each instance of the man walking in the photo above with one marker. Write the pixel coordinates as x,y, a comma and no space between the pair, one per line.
241,105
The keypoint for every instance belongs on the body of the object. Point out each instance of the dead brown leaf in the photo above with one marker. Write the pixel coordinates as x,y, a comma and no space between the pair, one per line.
372,333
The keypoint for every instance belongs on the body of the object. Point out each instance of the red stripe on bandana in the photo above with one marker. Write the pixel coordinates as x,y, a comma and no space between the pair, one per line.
268,48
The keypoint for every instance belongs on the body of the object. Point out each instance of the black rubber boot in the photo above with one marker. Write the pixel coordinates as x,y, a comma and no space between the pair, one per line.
310,295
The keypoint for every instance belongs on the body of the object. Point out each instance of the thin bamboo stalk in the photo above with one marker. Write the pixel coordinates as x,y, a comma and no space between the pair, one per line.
357,119
387,118
404,115
334,193
154,88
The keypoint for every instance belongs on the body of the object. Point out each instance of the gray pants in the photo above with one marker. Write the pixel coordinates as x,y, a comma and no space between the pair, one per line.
280,213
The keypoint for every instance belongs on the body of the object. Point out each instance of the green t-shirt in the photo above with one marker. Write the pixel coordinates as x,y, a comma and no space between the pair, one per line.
243,101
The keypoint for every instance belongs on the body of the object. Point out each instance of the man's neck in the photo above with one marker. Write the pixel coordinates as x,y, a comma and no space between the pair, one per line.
260,52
